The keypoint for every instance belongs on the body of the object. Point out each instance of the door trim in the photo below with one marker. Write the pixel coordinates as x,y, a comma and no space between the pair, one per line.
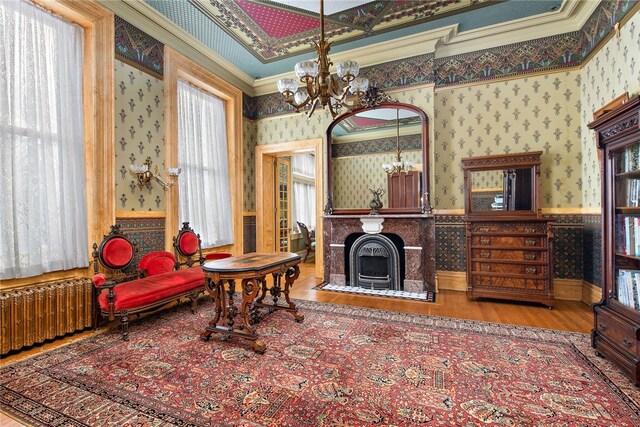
265,191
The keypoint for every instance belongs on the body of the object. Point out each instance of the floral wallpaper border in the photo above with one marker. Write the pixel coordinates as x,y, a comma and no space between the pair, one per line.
134,45
380,145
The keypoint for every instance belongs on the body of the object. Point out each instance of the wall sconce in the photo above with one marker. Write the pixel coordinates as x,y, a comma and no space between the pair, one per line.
145,176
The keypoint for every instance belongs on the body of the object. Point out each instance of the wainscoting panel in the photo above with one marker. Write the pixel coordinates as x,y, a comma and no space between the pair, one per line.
33,315
451,245
576,247
249,231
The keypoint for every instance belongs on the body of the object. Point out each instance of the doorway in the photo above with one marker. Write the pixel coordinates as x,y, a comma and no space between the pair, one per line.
266,195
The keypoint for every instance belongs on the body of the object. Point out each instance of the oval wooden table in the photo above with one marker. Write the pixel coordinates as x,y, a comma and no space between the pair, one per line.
251,270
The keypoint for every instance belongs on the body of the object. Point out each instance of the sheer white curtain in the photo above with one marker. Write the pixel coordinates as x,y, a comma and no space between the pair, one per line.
42,201
205,199
303,167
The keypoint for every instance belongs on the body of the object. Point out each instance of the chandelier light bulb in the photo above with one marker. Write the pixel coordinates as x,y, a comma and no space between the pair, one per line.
348,70
301,96
287,86
359,85
306,70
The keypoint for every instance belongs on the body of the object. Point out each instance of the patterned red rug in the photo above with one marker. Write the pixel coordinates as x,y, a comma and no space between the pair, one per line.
342,366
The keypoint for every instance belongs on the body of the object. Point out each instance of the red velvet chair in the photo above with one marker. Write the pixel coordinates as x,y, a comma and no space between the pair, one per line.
187,247
157,282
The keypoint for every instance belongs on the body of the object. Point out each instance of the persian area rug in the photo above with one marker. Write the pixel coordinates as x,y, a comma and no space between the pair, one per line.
342,366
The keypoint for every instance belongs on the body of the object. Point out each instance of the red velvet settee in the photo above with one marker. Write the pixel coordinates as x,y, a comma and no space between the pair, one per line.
160,277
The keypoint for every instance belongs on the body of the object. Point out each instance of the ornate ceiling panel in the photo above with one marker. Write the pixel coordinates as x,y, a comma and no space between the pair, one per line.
272,31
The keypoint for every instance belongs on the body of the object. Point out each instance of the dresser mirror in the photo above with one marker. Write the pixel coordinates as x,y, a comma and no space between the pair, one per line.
382,147
502,184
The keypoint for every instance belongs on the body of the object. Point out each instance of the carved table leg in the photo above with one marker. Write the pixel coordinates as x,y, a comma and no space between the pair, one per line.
214,291
250,288
231,309
290,276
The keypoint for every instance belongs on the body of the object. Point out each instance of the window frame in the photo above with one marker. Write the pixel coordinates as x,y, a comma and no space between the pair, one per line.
178,67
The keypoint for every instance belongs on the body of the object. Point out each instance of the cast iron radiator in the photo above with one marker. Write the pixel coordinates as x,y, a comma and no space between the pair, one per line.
34,314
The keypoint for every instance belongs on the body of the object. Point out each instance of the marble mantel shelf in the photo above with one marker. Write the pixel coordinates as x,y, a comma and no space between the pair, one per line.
385,216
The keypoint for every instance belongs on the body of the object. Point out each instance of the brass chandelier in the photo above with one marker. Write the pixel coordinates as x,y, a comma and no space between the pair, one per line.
319,85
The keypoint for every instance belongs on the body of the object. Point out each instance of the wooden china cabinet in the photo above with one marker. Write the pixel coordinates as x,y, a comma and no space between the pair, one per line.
509,243
616,332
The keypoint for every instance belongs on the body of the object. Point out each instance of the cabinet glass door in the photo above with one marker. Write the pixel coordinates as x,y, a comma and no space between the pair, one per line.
626,194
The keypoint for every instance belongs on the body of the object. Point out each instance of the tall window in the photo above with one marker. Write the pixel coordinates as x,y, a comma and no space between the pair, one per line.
204,191
42,157
304,190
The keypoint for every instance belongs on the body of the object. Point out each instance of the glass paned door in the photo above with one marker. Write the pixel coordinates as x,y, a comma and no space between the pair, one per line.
283,213
626,196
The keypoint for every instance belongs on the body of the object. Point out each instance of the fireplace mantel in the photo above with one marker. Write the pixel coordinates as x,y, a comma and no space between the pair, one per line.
416,230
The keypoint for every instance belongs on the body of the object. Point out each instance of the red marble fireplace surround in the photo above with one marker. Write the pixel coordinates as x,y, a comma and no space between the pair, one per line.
416,230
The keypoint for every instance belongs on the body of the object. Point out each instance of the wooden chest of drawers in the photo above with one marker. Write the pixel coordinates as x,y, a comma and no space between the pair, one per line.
510,259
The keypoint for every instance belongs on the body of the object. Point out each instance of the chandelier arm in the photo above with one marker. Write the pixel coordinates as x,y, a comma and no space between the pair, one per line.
297,106
313,107
334,88
313,88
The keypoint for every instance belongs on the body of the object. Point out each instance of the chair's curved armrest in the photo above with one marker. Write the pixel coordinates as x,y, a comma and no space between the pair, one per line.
100,282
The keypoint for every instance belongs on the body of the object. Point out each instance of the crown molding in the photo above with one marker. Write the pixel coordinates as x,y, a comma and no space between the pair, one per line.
379,53
152,22
443,42
570,17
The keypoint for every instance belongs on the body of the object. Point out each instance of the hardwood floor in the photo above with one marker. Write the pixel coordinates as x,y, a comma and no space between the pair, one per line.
571,316
574,316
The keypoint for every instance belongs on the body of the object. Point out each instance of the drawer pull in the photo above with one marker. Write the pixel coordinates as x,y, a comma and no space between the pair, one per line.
485,267
529,230
531,270
530,242
484,254
485,241
483,229
603,326
626,342
529,256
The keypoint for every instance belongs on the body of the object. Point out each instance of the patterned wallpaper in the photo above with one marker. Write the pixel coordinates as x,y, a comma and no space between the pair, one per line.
139,133
527,114
486,179
249,141
354,176
615,69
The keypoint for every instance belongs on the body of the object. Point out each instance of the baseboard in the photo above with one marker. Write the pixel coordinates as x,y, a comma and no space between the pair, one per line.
564,289
567,289
451,280
591,293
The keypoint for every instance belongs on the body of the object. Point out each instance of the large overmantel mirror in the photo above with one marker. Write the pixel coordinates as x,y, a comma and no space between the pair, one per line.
382,147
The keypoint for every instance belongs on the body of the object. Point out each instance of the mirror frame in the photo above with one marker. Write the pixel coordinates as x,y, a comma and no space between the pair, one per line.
529,160
426,203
